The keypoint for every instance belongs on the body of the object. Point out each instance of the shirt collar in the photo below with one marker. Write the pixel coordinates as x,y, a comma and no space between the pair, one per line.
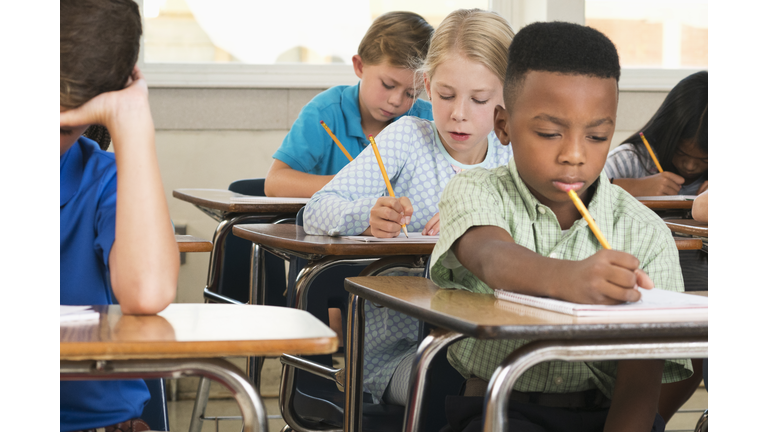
70,173
350,106
600,206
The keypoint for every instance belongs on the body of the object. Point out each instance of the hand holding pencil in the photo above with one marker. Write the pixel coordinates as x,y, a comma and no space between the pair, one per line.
402,208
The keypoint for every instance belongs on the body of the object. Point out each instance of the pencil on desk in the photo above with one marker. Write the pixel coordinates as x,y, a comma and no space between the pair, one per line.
587,217
384,173
336,140
650,150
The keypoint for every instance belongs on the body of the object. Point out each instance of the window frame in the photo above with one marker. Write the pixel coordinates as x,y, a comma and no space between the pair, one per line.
223,75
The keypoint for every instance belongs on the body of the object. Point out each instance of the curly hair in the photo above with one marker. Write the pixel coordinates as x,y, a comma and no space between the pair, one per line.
559,47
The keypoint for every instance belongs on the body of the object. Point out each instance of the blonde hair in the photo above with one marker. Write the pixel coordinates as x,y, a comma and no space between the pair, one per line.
479,35
399,38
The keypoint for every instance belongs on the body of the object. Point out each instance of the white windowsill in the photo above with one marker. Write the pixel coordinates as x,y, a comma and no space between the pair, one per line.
324,76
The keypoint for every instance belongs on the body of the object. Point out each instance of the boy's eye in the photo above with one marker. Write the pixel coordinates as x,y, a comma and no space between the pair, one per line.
598,138
410,95
388,87
546,135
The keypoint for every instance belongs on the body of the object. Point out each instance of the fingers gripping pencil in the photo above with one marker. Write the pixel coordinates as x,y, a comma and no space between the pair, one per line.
384,173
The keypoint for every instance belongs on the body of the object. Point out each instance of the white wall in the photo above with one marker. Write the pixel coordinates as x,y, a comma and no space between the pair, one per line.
207,138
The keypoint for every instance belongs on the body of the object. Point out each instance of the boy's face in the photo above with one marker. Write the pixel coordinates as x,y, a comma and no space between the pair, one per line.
386,91
560,128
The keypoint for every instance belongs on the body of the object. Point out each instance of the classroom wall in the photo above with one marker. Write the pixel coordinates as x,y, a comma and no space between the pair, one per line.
207,138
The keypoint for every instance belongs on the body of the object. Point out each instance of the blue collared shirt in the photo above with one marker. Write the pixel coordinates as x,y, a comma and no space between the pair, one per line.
88,202
308,147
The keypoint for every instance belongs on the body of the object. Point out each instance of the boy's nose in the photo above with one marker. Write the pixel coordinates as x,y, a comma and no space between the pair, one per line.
395,99
572,151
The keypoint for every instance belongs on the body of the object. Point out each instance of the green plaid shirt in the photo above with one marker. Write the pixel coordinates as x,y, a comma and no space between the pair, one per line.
498,197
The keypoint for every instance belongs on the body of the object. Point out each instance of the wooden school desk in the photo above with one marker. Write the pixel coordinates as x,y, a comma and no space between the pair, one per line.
188,243
324,252
190,339
216,204
459,314
667,205
688,227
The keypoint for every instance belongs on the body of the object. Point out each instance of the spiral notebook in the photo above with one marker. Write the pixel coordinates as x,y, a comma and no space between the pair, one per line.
653,302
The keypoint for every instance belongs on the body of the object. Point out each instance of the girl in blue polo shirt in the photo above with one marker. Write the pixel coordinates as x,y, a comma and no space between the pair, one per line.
388,56
116,239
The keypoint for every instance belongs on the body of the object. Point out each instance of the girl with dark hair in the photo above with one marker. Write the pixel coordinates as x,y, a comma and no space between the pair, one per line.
678,135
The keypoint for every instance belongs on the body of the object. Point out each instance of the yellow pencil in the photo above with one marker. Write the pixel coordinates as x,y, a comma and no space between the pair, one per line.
591,222
650,150
384,173
336,140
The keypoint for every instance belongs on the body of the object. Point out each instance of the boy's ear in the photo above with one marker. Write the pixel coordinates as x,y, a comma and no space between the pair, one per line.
500,124
357,65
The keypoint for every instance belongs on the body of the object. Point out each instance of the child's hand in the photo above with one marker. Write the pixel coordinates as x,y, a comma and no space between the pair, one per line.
111,109
607,277
704,186
433,226
666,183
388,215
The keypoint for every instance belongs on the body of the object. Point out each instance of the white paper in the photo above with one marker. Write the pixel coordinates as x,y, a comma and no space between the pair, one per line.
412,238
653,301
250,199
78,314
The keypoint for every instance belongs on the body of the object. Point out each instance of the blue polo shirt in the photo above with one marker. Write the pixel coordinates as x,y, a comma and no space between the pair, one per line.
308,147
88,198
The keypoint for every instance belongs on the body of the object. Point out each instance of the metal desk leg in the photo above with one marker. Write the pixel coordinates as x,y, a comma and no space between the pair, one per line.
428,348
355,344
198,410
251,405
523,358
258,297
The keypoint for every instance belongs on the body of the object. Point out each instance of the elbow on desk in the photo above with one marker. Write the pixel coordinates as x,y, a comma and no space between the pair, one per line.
147,293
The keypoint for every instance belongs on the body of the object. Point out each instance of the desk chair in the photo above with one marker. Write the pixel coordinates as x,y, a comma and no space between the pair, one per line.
156,411
234,287
311,390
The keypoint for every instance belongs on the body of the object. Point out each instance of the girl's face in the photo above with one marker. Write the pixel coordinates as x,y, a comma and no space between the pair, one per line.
464,94
689,161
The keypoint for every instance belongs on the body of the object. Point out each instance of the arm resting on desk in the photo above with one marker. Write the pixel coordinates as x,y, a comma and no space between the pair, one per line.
607,277
700,210
635,396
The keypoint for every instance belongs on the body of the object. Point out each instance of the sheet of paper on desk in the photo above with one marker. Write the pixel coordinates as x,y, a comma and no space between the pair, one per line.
72,315
412,238
667,198
249,199
656,301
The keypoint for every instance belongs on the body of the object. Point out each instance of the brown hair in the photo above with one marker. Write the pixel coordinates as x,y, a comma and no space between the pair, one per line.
400,38
479,35
99,45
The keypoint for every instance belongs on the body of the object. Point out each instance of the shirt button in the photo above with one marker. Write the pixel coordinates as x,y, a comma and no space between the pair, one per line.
558,380
542,210
554,255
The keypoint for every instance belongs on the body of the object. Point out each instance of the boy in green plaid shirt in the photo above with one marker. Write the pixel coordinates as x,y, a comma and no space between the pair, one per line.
515,228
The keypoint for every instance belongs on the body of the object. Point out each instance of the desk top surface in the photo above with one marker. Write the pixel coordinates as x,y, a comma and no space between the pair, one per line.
188,243
484,317
196,330
667,205
219,199
293,238
688,226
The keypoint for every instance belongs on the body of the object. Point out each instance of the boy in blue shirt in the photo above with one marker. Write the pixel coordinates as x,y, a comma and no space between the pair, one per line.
388,56
116,238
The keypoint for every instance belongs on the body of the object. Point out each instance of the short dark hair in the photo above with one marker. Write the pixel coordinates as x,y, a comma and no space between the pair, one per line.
681,117
98,47
559,47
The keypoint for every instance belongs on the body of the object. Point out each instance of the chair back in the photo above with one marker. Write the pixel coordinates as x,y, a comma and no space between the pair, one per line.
156,411
236,268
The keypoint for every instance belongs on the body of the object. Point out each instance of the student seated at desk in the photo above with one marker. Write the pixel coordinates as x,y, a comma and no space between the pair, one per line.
463,73
677,133
117,242
515,228
386,62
